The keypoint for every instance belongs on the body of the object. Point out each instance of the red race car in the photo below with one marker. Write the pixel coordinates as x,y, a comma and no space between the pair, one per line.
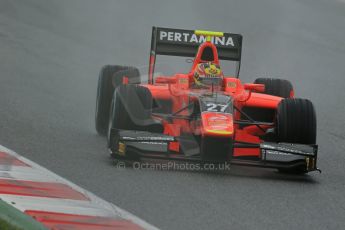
203,115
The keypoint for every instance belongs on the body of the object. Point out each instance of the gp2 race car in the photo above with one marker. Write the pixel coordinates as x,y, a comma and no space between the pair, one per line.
203,115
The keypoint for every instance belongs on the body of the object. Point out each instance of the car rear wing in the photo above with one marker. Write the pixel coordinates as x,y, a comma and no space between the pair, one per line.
185,43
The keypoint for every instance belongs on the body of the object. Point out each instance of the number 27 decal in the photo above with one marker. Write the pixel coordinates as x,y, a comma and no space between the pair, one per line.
213,107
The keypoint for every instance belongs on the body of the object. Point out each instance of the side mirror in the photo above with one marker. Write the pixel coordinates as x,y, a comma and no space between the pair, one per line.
166,80
260,88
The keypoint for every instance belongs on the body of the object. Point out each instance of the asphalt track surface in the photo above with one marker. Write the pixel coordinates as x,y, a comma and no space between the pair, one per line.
50,56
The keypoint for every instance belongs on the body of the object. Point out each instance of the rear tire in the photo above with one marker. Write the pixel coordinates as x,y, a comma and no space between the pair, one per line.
276,87
296,123
110,77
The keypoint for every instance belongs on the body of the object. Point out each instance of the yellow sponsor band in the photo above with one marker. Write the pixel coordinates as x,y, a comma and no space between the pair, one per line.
209,34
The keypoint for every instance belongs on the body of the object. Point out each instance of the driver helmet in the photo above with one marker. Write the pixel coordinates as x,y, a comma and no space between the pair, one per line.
207,73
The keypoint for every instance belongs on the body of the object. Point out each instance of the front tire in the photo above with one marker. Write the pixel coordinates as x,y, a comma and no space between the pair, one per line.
131,110
132,107
296,123
110,77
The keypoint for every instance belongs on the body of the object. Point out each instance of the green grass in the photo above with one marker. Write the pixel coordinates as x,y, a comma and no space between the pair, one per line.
14,219
4,225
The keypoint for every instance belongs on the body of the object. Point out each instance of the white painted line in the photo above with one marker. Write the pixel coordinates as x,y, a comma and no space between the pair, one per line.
24,173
